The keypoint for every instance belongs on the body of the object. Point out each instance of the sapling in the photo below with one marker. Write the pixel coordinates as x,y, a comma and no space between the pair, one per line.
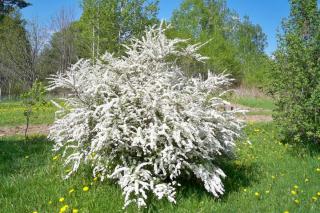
139,120
33,99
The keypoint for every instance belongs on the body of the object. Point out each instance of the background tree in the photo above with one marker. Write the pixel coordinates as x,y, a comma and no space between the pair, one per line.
235,45
8,6
61,51
110,23
296,84
17,71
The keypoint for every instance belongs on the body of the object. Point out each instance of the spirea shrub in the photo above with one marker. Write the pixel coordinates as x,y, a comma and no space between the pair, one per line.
138,120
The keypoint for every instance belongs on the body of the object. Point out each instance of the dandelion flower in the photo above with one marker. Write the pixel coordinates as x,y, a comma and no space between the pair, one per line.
296,201
71,190
257,194
34,212
244,190
64,209
318,193
293,192
318,169
286,212
314,198
296,187
85,189
50,202
55,157
75,210
61,199
273,177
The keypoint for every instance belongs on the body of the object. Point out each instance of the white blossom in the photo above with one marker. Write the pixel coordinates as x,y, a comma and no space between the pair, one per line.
139,120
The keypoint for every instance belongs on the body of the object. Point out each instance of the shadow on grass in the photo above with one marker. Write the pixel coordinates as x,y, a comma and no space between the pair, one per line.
238,177
304,149
13,150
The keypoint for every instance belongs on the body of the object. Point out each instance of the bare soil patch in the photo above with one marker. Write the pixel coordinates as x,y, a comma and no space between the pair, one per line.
19,130
257,118
44,129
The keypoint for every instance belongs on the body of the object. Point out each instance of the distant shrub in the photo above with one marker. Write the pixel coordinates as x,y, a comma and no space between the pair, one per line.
296,74
140,121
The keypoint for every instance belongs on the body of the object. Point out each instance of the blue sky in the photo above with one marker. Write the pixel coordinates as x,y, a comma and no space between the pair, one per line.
267,13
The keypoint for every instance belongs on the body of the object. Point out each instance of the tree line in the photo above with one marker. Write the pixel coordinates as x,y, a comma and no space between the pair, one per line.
29,52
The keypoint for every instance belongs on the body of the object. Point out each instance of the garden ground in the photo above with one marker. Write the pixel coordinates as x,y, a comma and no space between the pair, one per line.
266,176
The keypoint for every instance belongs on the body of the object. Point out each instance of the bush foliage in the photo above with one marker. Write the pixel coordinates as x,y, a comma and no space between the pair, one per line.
296,74
140,121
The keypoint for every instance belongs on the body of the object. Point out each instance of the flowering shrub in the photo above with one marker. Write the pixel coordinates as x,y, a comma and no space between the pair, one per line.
140,121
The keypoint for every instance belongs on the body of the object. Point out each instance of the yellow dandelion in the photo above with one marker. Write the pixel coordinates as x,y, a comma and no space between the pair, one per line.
61,199
64,209
71,190
50,202
296,187
34,212
296,201
273,177
85,189
293,192
314,198
318,169
286,212
75,210
318,193
55,157
244,190
257,194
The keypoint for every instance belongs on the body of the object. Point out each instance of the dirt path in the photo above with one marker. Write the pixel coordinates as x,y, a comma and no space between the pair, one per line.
44,129
19,130
258,118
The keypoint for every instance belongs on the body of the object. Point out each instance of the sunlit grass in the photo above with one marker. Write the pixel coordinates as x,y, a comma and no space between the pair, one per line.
11,114
259,102
260,179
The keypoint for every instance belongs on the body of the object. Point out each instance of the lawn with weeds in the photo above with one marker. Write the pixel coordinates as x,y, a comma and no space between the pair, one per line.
266,176
12,114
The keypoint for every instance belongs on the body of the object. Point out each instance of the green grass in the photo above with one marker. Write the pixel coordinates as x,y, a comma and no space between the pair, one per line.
11,114
262,103
30,178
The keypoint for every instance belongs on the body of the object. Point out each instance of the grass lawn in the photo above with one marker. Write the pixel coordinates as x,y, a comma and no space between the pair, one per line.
11,114
262,179
262,103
